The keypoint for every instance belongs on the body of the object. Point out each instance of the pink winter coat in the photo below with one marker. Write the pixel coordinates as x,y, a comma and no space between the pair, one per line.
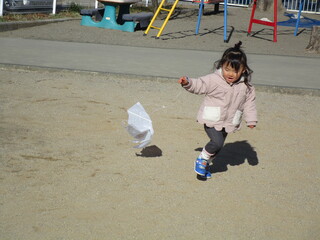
224,103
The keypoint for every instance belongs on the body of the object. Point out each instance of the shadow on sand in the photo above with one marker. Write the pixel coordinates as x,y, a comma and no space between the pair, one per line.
150,151
232,154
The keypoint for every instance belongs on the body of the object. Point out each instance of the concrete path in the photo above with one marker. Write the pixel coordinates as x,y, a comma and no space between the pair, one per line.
270,70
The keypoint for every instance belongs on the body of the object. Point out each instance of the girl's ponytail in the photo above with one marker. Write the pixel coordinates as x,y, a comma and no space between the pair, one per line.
237,46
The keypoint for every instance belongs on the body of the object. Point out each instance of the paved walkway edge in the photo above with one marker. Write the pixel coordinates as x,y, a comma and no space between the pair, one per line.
259,87
9,26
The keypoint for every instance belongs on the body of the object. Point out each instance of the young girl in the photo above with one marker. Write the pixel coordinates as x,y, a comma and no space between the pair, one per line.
228,95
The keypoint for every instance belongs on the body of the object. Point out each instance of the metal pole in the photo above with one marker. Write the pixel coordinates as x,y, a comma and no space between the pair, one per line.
225,22
275,20
1,8
298,19
201,6
54,7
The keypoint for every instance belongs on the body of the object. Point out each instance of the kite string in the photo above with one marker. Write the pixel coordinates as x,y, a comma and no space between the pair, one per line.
163,106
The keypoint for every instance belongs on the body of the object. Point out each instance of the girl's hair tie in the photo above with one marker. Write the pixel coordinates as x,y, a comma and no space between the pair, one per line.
238,45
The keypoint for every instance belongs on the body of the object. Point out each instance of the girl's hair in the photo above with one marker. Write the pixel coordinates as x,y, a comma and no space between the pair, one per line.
236,58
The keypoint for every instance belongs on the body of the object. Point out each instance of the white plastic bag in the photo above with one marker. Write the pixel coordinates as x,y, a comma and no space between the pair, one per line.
139,125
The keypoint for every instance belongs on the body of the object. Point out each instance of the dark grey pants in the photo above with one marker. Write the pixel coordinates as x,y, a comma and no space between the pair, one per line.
217,139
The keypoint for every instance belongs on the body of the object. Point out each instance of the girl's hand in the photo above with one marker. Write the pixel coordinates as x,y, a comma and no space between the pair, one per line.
183,81
251,126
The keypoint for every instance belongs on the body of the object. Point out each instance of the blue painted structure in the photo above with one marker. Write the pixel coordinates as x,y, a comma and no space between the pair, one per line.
225,19
110,20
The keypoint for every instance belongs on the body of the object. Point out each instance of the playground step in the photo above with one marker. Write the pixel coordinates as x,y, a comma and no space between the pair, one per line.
143,18
97,13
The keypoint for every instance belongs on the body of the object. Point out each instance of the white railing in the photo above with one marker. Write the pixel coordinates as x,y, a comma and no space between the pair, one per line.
310,6
243,3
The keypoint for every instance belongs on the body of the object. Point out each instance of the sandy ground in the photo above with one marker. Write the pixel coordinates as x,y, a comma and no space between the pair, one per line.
180,33
68,169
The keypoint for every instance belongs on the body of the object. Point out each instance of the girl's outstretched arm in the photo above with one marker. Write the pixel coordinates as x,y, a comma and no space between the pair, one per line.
201,85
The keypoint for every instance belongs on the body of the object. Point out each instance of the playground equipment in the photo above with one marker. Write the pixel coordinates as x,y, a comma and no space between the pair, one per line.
171,10
298,21
292,22
225,20
161,8
264,22
124,21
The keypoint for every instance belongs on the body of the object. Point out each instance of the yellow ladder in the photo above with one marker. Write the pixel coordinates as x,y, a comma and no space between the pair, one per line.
160,8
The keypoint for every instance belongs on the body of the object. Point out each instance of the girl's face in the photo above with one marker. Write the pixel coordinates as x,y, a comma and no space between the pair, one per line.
230,74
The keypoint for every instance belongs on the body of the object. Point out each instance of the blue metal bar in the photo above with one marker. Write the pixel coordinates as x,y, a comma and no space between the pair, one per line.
225,21
298,19
201,6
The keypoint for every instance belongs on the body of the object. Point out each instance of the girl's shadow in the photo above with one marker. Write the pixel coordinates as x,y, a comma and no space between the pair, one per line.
233,154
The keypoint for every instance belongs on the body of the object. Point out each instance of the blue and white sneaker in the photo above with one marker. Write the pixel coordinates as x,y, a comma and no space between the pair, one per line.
208,174
200,166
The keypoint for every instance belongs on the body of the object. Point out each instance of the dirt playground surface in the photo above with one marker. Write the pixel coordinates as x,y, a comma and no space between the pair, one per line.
68,169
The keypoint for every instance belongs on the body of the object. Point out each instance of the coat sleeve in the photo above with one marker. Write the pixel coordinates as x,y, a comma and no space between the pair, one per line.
250,111
202,85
